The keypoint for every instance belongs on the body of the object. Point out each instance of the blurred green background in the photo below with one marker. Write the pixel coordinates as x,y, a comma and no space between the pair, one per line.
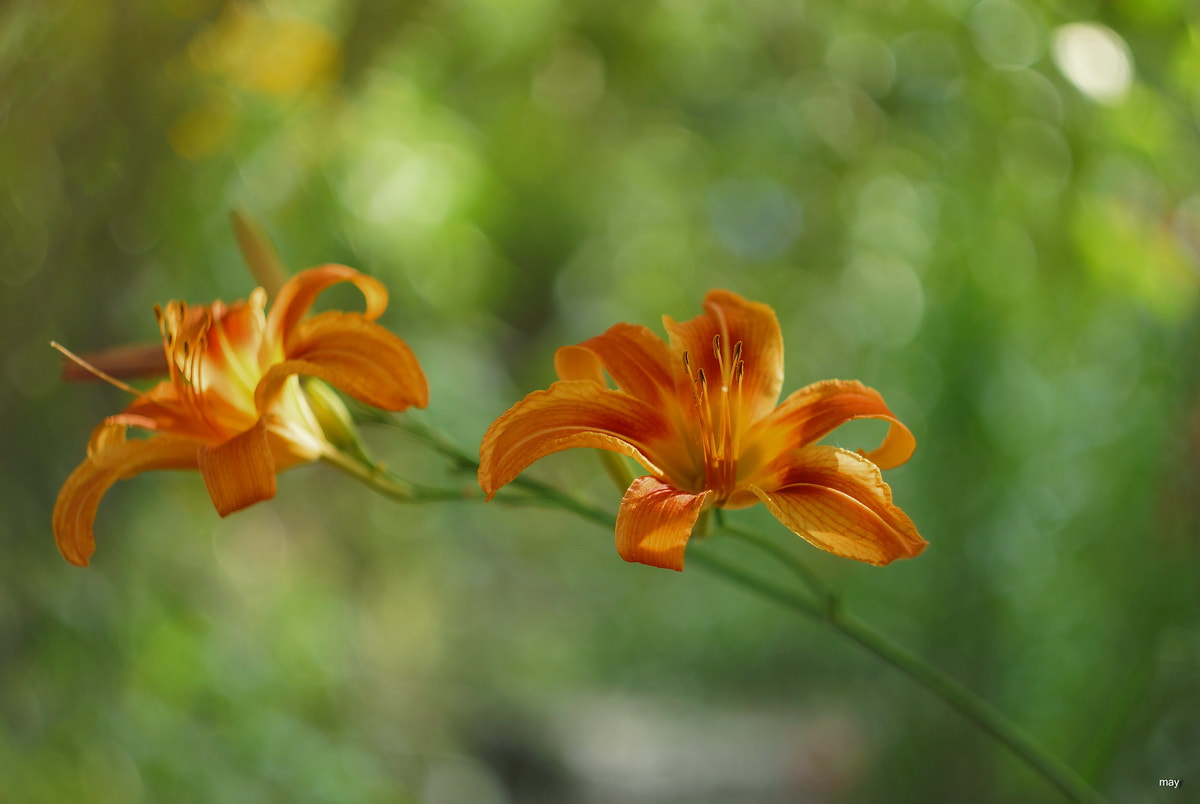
990,211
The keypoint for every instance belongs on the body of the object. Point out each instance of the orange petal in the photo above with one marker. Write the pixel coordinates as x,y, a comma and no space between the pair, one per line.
570,413
240,471
359,357
299,293
837,500
110,458
655,522
638,361
232,344
736,320
814,411
163,409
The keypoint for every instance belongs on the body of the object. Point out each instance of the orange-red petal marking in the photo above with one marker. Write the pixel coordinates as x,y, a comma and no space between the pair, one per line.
837,500
735,320
810,414
571,413
638,361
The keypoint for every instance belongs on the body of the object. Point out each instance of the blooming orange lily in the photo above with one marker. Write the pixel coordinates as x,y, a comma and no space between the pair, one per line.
700,415
233,407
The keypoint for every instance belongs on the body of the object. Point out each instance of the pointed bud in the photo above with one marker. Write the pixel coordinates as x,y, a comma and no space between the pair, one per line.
334,418
259,253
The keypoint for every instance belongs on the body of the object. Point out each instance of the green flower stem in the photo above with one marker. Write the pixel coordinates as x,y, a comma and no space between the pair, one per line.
826,597
828,608
974,708
387,484
821,604
433,438
952,692
537,493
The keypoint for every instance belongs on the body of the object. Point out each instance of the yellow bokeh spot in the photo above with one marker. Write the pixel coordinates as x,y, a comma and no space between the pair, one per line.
1136,257
205,128
272,55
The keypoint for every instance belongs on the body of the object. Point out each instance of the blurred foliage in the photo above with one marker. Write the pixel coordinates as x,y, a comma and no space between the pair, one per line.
987,210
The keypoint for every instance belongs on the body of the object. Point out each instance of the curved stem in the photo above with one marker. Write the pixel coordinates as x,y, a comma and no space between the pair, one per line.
952,692
431,437
749,580
824,604
825,596
986,716
387,484
539,493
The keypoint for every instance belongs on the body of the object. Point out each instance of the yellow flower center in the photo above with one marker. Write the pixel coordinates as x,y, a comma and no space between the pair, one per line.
216,370
719,413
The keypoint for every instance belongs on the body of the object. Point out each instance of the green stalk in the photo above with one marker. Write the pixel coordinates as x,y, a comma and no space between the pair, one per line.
968,704
825,596
823,605
384,482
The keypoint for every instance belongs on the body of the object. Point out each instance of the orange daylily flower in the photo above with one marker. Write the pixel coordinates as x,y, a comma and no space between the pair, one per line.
700,415
233,407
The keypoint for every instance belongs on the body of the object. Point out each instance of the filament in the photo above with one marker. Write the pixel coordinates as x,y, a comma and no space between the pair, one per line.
88,367
719,413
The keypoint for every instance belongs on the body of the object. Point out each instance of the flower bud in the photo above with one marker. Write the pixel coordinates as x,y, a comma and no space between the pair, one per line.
333,416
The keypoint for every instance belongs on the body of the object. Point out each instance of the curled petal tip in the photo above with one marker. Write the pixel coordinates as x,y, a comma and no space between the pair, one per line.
240,471
655,522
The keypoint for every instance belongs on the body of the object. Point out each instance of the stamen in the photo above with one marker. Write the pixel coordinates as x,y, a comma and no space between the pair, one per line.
739,370
168,335
706,428
86,366
722,443
716,342
687,368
